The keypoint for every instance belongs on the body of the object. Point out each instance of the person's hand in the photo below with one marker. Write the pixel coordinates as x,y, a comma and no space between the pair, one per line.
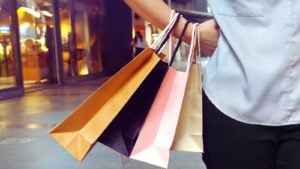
209,35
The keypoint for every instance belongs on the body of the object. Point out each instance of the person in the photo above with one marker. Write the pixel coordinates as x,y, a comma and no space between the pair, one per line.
72,67
251,98
49,42
138,43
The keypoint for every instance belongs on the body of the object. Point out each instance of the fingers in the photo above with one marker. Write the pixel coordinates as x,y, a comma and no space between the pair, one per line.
209,32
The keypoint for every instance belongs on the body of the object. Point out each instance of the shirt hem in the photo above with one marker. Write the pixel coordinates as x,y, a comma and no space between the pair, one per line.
227,113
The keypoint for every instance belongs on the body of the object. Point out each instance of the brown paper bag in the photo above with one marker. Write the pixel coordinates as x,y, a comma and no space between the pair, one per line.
188,135
80,130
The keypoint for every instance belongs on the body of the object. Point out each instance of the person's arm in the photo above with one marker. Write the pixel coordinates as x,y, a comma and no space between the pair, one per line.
157,13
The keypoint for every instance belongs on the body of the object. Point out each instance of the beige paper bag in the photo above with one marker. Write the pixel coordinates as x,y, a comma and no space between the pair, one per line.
188,135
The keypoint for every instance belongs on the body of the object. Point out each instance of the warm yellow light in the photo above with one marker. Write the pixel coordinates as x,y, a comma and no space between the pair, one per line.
84,70
32,126
44,49
25,25
46,13
31,11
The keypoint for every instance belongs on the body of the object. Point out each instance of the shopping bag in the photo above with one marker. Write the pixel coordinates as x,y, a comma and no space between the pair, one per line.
122,132
156,136
189,134
78,132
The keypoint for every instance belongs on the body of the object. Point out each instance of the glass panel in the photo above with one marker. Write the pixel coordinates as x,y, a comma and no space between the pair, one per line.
66,38
7,59
83,39
81,27
88,27
36,38
96,16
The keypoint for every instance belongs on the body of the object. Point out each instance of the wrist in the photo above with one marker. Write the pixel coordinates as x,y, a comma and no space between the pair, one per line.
180,29
188,33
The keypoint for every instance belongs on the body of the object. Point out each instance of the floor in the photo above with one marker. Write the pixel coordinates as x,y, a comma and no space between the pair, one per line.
24,143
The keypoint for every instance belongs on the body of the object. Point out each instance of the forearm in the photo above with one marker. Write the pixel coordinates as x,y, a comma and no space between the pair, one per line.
158,14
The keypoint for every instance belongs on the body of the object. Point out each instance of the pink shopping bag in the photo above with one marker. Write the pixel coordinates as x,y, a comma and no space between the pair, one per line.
188,136
156,136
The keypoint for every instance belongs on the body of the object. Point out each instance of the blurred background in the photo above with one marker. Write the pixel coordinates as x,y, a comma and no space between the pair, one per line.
46,43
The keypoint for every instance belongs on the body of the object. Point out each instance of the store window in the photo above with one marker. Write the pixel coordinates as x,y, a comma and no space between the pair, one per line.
36,41
7,58
81,30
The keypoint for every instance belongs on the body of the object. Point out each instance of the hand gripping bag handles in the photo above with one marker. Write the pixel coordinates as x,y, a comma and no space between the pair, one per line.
189,134
78,132
156,136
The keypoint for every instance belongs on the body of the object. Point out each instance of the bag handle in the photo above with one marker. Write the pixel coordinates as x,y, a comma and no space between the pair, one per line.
164,35
197,55
170,40
194,46
178,43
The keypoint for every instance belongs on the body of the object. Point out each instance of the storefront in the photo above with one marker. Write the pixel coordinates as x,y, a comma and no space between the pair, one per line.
49,42
55,42
78,34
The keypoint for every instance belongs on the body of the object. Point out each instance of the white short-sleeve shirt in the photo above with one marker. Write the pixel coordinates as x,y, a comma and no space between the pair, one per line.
254,74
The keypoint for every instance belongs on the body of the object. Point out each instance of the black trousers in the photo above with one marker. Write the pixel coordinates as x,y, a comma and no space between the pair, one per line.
230,144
